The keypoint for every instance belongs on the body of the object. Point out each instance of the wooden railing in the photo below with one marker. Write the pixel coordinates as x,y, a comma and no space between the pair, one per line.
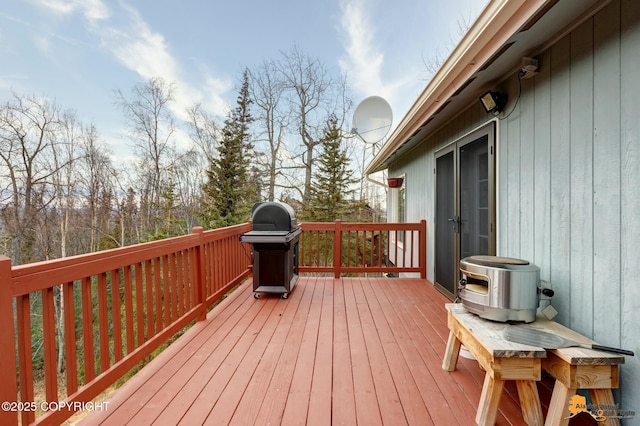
343,248
113,308
105,312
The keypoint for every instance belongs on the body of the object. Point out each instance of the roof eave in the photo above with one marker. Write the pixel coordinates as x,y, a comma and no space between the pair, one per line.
494,26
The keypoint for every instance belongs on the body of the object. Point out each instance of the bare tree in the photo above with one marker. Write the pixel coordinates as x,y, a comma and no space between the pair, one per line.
188,175
96,175
204,132
313,96
434,62
39,150
64,183
267,91
152,127
30,130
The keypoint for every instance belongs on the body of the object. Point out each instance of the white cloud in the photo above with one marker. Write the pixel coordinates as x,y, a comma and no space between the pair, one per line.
125,33
363,63
213,99
92,10
364,60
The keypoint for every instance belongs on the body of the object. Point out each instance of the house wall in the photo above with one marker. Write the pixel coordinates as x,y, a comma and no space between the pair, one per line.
568,179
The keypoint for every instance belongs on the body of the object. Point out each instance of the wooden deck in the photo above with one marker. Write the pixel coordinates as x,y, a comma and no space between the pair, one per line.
338,351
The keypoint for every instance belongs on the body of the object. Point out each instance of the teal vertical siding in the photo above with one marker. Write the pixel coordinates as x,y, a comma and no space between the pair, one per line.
629,236
568,179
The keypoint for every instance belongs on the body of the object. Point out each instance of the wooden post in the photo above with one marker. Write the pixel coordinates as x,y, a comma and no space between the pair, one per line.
8,371
422,249
197,265
337,249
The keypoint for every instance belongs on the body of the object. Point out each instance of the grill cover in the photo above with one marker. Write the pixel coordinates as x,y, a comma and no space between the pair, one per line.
273,216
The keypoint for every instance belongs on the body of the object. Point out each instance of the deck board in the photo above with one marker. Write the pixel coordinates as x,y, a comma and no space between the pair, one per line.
337,351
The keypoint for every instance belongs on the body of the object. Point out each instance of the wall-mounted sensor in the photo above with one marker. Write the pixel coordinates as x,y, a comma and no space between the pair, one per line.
528,67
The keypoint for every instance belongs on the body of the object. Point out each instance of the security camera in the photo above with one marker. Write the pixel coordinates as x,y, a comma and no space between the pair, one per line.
528,67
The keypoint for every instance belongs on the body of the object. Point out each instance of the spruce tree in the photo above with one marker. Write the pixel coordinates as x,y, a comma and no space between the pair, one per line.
169,224
229,192
332,189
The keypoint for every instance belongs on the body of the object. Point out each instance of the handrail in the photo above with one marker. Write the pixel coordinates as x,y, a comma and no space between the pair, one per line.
135,297
342,248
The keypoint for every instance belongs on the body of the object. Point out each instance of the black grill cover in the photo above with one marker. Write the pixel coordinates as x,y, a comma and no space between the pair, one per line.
273,216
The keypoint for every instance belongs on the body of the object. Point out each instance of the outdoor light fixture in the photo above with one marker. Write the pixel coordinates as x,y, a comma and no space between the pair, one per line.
493,102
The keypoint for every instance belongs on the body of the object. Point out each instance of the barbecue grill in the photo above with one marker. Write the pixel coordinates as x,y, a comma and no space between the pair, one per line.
274,237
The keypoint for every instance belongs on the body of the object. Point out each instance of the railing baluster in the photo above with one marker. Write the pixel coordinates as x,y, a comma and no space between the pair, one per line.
71,353
422,249
167,296
87,331
148,297
139,304
128,307
399,263
173,280
181,283
49,337
381,237
348,256
188,287
116,318
157,287
372,261
337,249
25,363
103,322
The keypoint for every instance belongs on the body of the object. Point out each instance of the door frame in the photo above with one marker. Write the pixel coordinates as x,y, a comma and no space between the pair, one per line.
489,130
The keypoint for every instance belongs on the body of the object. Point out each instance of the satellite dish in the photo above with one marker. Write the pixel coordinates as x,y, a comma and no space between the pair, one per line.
372,119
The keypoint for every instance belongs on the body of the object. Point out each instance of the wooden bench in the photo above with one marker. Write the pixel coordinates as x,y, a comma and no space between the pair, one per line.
500,359
573,368
578,368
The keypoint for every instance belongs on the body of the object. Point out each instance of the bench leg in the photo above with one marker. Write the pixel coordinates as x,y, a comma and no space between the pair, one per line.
530,402
604,397
451,353
558,414
489,400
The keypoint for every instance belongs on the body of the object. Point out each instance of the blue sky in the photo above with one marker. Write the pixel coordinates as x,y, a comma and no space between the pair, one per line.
78,52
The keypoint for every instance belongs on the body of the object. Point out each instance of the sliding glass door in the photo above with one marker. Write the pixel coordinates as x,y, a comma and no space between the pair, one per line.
465,205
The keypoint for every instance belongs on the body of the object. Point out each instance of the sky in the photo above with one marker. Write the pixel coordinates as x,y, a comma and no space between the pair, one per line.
79,52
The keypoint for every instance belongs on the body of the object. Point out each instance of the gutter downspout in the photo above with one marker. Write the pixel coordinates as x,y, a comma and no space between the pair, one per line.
370,179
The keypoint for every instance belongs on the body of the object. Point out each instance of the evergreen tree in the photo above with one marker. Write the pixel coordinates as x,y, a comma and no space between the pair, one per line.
332,190
169,223
229,192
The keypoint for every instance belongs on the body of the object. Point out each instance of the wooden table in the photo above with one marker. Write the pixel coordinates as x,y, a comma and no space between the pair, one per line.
502,360
578,368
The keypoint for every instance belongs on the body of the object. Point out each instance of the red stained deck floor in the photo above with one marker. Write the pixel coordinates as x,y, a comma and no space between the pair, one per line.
338,351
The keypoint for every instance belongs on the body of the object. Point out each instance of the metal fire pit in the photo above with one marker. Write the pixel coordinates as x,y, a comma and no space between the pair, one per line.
274,237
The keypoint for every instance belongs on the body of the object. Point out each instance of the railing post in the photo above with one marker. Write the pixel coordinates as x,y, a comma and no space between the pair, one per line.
8,371
337,249
422,249
199,279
